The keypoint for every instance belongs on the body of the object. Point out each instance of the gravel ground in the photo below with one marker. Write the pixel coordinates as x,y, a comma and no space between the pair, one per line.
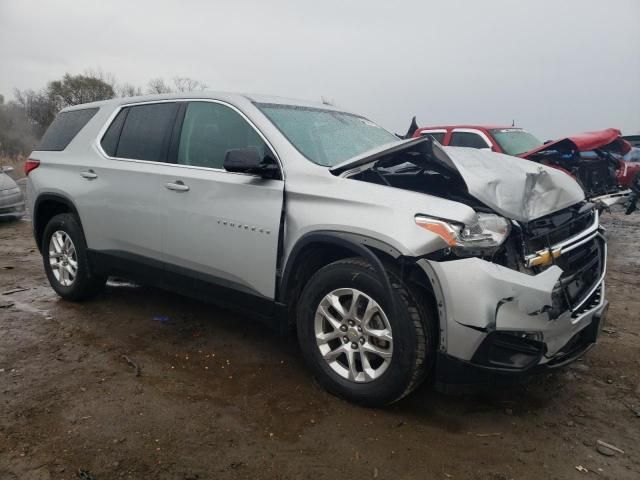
221,397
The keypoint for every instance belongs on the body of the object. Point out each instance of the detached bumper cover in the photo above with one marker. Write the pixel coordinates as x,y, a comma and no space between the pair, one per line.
611,199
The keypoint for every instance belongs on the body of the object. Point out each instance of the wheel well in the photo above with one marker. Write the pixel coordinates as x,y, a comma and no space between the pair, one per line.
317,255
45,210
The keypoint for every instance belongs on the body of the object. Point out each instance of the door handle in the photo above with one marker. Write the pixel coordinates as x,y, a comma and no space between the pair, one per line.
177,186
89,174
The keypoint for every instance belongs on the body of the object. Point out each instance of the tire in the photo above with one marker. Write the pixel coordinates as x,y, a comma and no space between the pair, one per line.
83,284
413,331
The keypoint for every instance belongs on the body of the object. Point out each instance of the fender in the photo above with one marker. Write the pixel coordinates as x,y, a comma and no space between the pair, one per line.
360,245
54,197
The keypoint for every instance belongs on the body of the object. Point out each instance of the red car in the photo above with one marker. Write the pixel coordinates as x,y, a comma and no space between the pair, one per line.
593,158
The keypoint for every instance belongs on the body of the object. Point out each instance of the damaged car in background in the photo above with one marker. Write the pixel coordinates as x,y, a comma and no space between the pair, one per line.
395,261
594,159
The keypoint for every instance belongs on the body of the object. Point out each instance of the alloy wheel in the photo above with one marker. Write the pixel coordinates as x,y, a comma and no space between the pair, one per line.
353,335
63,258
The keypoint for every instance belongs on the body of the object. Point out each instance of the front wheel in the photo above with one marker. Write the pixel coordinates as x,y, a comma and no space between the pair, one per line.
356,344
64,252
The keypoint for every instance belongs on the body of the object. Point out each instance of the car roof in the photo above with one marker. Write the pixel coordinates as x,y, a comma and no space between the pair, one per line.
230,97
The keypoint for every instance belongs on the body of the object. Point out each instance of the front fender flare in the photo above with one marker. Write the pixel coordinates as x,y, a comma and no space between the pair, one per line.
360,245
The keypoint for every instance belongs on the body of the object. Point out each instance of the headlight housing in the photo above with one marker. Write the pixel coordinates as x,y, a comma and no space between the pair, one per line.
485,234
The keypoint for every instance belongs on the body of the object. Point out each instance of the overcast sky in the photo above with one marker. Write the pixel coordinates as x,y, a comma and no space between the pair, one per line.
556,67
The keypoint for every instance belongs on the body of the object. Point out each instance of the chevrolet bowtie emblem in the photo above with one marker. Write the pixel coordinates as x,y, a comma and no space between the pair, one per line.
543,258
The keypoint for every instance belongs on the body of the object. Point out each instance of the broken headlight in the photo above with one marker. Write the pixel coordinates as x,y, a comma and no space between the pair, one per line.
487,232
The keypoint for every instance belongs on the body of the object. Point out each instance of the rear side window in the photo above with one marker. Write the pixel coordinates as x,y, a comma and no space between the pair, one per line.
64,128
141,132
467,139
437,136
210,130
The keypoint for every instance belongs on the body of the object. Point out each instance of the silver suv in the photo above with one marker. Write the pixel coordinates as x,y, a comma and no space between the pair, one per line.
394,260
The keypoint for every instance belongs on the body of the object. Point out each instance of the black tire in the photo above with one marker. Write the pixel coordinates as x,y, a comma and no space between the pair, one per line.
86,284
413,329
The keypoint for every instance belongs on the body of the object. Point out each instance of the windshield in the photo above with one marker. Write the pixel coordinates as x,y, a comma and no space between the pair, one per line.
326,137
515,141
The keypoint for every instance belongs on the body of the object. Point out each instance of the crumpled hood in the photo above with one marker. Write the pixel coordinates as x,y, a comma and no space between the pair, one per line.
6,182
515,188
585,142
518,189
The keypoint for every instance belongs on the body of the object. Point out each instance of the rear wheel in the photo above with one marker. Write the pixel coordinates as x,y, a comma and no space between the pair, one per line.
64,252
356,344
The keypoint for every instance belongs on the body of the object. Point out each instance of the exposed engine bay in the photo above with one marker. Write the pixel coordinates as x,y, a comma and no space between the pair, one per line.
565,237
409,170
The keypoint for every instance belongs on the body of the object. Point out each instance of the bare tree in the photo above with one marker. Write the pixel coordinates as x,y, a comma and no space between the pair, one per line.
158,85
106,77
186,84
38,108
17,134
128,90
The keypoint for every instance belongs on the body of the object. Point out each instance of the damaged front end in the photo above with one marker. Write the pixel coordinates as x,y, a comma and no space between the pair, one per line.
522,288
535,311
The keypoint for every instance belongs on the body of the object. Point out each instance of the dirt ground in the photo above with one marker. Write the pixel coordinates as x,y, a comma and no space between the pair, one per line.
221,397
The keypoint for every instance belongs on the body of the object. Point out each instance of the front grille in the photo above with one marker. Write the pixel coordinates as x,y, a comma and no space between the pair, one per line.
592,302
582,269
546,231
582,265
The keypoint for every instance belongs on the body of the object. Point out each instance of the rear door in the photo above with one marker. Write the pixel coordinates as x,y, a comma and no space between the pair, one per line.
135,144
219,227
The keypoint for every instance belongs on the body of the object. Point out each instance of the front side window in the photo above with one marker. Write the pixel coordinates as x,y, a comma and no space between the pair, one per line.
326,137
467,139
515,141
210,130
145,133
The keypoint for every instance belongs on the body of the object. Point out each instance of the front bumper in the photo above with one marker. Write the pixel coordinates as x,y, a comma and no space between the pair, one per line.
453,375
498,324
11,205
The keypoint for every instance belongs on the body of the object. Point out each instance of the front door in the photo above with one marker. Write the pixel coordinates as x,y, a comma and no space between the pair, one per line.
220,228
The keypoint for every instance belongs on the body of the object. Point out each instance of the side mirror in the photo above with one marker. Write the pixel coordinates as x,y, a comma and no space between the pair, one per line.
7,169
249,160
